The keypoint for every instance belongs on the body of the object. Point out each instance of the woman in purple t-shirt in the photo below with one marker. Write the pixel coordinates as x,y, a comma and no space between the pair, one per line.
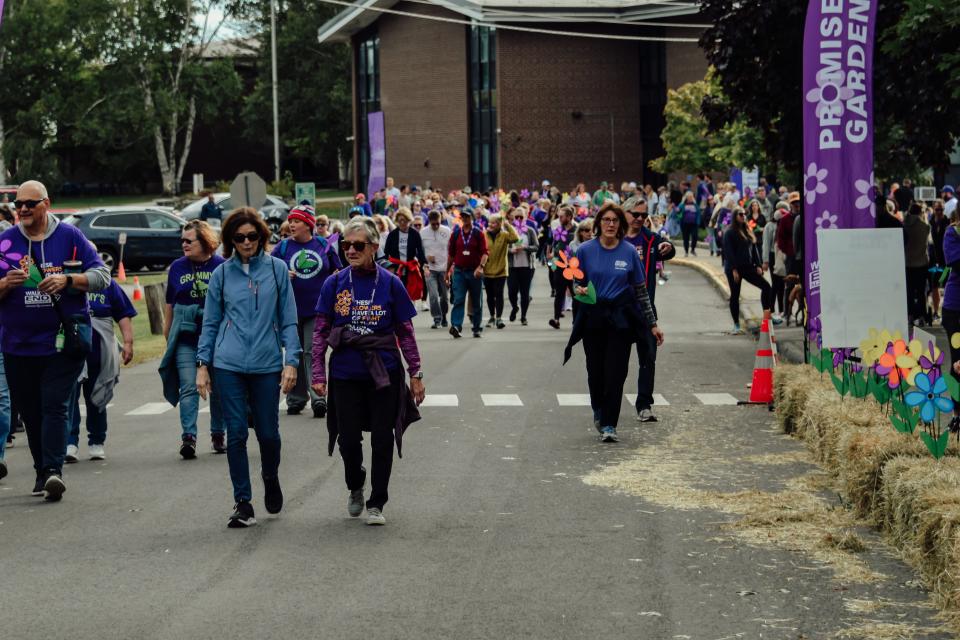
363,314
951,298
186,294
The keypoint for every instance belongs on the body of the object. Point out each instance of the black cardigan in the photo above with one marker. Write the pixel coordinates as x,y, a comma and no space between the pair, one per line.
414,246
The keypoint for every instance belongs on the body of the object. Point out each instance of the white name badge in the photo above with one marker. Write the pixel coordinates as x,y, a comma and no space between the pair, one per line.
466,253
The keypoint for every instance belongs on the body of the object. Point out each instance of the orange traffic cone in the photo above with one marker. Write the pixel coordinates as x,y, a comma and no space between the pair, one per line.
761,391
137,289
121,273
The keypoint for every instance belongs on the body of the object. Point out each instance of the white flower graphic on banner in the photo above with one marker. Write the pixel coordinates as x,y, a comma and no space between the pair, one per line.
830,93
868,195
814,182
826,221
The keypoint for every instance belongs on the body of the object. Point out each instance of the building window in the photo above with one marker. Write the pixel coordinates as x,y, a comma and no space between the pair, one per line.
483,108
653,98
368,101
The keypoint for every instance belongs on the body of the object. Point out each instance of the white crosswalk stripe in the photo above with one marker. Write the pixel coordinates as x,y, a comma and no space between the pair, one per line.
440,400
150,409
658,399
501,400
573,399
716,398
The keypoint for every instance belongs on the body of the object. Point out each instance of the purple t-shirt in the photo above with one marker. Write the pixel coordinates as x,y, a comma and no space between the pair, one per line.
374,303
187,281
30,323
312,261
689,214
112,302
951,253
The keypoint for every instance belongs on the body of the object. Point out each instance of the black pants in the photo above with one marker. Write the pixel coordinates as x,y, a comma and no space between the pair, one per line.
43,387
560,286
917,278
647,358
778,290
751,276
518,283
361,407
494,288
608,359
690,231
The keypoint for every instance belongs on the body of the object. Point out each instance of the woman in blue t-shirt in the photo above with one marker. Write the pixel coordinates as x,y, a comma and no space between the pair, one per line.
621,316
364,314
186,295
103,368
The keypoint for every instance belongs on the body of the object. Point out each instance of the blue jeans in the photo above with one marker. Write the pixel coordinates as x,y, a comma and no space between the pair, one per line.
260,392
43,387
189,398
4,409
464,281
96,420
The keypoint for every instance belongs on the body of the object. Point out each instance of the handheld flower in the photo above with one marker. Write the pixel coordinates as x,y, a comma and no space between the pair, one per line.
571,266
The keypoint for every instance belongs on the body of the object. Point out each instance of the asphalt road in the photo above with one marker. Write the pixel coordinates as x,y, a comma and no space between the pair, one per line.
492,531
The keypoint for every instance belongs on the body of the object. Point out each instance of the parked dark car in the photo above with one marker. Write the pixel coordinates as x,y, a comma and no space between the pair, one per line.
153,236
274,209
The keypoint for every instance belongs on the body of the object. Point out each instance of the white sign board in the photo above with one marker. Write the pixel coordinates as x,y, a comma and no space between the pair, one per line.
248,190
306,191
862,284
751,181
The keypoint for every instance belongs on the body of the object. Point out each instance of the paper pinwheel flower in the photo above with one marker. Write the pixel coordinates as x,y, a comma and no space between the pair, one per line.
930,397
560,234
887,364
524,194
872,347
931,360
908,361
840,356
7,260
571,266
955,341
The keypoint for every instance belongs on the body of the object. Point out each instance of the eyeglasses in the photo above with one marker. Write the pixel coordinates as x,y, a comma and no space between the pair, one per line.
356,245
238,238
322,224
29,204
609,221
187,241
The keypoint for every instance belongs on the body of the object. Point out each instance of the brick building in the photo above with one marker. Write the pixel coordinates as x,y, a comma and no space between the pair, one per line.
465,104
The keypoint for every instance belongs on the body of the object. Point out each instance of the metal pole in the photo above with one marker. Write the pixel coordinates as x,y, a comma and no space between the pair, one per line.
276,117
613,155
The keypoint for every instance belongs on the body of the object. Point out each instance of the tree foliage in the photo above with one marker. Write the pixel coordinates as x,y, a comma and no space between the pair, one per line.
756,47
689,144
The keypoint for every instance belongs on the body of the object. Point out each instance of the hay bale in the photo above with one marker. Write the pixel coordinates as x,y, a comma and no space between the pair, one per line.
826,417
922,513
792,385
863,452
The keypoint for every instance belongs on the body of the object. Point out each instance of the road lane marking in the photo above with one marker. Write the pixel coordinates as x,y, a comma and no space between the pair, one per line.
501,400
439,400
151,409
573,399
716,398
658,399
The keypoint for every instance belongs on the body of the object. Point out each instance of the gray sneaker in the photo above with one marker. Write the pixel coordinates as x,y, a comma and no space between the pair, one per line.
375,517
609,434
355,504
646,415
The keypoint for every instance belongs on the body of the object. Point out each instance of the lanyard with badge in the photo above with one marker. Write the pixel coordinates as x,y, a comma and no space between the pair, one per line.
467,240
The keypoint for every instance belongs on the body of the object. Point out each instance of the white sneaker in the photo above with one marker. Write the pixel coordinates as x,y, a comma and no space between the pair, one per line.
96,452
375,517
72,453
646,415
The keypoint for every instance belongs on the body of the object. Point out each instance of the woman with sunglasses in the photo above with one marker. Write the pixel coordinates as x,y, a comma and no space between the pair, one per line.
364,315
250,342
742,262
621,316
186,294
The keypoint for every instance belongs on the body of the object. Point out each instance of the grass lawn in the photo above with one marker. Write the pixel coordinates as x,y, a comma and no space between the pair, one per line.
335,193
145,345
99,201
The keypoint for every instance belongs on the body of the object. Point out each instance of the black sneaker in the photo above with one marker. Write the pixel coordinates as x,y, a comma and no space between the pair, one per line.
355,503
523,321
188,448
294,411
455,332
320,409
477,334
242,516
3,469
444,324
272,495
53,487
218,441
500,324
434,326
513,315
554,323
37,487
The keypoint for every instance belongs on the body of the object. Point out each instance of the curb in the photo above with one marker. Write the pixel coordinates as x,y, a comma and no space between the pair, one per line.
752,323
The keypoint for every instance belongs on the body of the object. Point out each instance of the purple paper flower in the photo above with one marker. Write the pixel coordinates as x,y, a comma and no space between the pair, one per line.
524,194
559,234
840,356
8,260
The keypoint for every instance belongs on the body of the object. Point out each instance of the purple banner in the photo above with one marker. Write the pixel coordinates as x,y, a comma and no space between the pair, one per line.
838,181
1,12
378,154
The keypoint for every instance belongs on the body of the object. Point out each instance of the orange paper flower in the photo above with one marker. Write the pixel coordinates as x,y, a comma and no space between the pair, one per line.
571,267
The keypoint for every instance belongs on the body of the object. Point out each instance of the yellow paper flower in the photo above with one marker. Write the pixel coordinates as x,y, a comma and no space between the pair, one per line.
872,347
908,361
955,341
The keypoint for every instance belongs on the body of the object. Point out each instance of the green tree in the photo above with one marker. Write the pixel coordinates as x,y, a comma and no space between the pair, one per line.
688,142
314,92
756,46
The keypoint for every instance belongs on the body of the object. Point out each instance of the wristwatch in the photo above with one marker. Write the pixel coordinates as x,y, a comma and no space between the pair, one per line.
417,376
201,363
69,281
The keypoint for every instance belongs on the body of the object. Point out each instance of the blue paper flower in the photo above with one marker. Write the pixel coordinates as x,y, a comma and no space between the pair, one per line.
930,397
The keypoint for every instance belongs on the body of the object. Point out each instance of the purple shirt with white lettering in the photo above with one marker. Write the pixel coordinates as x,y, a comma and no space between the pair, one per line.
312,262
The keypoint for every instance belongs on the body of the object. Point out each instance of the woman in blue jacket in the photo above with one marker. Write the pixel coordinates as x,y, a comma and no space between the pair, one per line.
250,339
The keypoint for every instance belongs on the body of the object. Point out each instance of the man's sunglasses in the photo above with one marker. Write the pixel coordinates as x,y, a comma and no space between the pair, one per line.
357,245
29,204
238,238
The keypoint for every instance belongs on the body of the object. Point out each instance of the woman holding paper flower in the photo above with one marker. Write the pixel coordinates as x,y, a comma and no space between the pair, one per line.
615,313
